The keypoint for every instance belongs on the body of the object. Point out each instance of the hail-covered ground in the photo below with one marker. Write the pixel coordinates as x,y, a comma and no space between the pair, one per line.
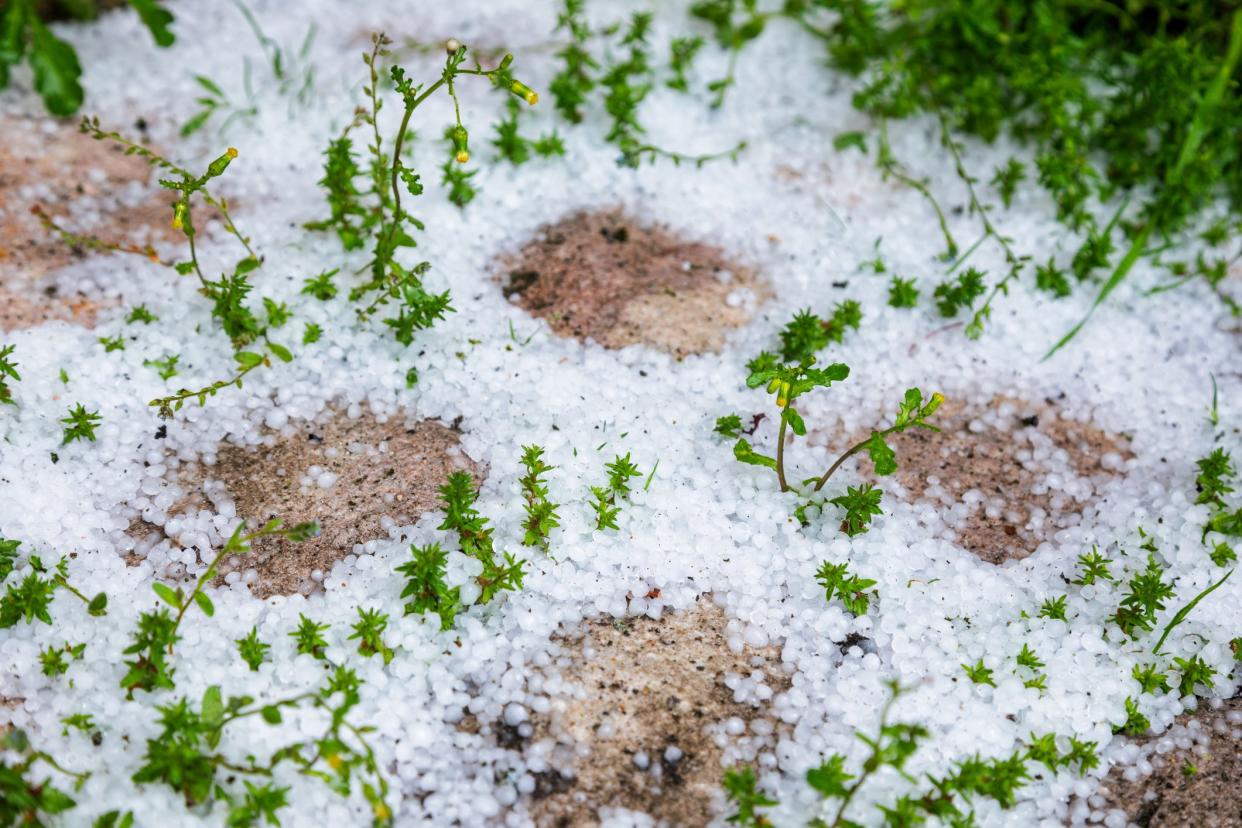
807,218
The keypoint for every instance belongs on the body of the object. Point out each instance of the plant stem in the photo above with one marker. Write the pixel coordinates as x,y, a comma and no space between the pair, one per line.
780,450
850,452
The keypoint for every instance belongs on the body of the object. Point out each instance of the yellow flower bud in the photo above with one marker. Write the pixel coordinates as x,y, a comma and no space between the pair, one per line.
231,152
524,92
460,139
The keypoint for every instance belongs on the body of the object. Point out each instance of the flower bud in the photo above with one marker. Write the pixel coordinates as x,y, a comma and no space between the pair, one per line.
218,166
524,92
461,140
452,45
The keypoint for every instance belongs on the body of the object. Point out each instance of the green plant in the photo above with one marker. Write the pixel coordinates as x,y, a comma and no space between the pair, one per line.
293,75
23,799
139,313
166,367
475,535
426,586
742,789
902,293
730,426
57,73
374,215
8,371
954,296
1093,567
541,516
368,631
979,674
1194,672
608,498
807,333
53,658
516,148
309,639
31,598
83,722
894,744
1146,592
227,294
185,758
791,380
837,580
1136,724
625,81
1053,608
861,504
1151,678
80,424
153,640
252,650
112,343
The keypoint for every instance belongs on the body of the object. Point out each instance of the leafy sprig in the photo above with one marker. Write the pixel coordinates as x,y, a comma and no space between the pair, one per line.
854,592
607,499
541,516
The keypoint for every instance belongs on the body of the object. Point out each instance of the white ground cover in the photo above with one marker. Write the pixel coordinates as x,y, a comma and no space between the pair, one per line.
706,525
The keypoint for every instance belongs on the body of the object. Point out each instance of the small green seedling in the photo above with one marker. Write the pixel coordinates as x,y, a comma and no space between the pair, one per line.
80,424
8,371
855,592
979,674
252,651
426,587
541,517
607,499
368,631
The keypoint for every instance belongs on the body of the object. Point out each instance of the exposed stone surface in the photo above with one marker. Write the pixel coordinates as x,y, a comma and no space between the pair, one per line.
605,276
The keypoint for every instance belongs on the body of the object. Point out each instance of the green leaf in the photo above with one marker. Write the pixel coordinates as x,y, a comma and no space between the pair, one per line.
829,778
884,458
845,140
271,714
1181,614
246,265
98,605
12,39
210,85
743,452
795,421
213,706
281,352
248,359
157,19
166,593
56,70
204,603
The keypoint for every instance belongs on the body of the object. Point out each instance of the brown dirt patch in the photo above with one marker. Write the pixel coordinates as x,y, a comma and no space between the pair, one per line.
649,686
106,192
1010,472
1198,783
604,276
381,470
